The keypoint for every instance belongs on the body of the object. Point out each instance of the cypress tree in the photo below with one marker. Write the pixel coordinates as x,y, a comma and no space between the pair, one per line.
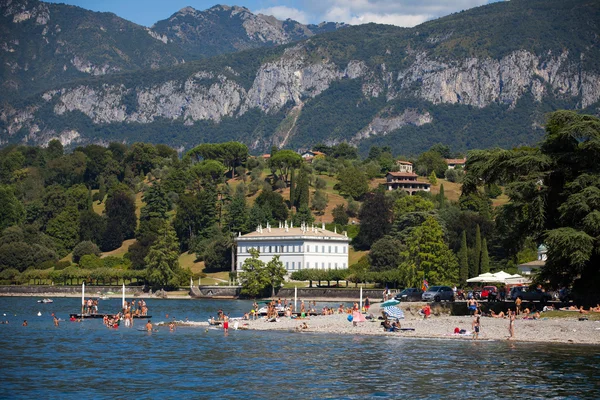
485,258
477,261
463,259
292,188
442,197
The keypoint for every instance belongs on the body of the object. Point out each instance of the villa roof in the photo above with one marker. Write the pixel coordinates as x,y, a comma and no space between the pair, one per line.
404,162
456,160
403,174
314,233
535,263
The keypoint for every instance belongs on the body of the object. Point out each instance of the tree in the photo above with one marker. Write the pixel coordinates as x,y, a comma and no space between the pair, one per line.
285,161
302,190
427,256
91,226
410,204
552,191
340,216
12,211
276,273
16,255
195,215
375,220
84,248
431,161
208,173
463,261
319,201
485,258
385,254
433,178
353,182
54,149
163,258
157,203
442,197
237,214
65,229
120,211
476,259
273,205
254,276
303,216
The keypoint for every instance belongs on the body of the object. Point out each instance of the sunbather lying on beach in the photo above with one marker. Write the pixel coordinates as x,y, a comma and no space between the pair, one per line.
499,315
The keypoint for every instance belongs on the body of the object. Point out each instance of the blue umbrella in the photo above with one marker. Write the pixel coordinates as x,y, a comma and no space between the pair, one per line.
393,312
391,302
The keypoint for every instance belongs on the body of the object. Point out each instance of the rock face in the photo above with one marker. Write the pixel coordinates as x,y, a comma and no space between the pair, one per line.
46,44
294,78
386,80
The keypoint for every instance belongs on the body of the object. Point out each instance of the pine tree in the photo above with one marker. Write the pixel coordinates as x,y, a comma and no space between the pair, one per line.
237,214
157,203
463,261
302,190
477,261
433,178
163,258
485,258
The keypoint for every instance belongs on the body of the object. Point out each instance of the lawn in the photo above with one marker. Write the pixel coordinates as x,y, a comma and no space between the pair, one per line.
120,252
452,190
187,260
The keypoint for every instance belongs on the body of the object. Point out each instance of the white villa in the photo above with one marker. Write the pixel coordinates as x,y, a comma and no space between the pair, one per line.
299,248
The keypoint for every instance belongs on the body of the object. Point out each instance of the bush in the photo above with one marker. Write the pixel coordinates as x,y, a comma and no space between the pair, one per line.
320,183
84,248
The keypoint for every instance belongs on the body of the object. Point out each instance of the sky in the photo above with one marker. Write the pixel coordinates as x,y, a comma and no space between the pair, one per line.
405,13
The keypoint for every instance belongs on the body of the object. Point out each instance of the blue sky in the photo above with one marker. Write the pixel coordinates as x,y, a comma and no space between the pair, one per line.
396,12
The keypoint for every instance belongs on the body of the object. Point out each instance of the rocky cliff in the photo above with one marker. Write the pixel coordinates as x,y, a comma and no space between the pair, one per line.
389,86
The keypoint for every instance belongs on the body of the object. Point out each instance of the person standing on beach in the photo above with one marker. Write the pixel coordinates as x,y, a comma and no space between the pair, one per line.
518,302
511,325
367,304
475,326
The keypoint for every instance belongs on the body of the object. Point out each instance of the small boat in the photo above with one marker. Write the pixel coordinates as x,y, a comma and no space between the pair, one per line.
45,301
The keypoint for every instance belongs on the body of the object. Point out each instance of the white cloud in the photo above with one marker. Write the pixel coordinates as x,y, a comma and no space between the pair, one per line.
389,19
284,12
405,13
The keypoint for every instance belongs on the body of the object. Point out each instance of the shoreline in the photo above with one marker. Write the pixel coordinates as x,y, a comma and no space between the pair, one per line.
567,330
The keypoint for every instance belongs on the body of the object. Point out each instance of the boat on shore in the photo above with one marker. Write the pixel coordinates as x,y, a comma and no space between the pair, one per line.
46,301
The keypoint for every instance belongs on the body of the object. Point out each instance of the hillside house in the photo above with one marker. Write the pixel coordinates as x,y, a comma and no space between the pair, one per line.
406,181
404,166
456,162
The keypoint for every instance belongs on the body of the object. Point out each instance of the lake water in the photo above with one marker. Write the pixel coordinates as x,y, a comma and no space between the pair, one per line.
87,360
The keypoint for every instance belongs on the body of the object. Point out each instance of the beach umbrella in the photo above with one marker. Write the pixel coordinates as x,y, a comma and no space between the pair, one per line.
391,302
357,316
393,312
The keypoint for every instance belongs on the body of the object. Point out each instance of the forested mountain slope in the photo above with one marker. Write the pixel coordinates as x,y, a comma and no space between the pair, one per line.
480,78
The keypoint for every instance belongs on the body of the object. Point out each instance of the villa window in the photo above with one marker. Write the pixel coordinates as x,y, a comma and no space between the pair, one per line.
287,265
307,265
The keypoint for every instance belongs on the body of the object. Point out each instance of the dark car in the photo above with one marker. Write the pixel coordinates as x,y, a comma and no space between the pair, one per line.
528,294
410,294
438,293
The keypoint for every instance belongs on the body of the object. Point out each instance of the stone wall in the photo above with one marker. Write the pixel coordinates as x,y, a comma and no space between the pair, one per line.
45,289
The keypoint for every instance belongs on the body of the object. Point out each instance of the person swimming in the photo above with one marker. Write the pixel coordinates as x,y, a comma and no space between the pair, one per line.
149,326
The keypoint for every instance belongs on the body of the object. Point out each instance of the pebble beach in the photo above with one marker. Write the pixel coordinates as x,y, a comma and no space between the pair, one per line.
546,330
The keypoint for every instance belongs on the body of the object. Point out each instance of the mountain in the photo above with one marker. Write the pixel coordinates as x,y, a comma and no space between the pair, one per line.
47,44
475,79
223,29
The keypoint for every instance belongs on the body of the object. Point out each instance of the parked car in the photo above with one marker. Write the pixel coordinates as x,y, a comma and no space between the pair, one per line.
525,293
489,292
438,293
409,294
